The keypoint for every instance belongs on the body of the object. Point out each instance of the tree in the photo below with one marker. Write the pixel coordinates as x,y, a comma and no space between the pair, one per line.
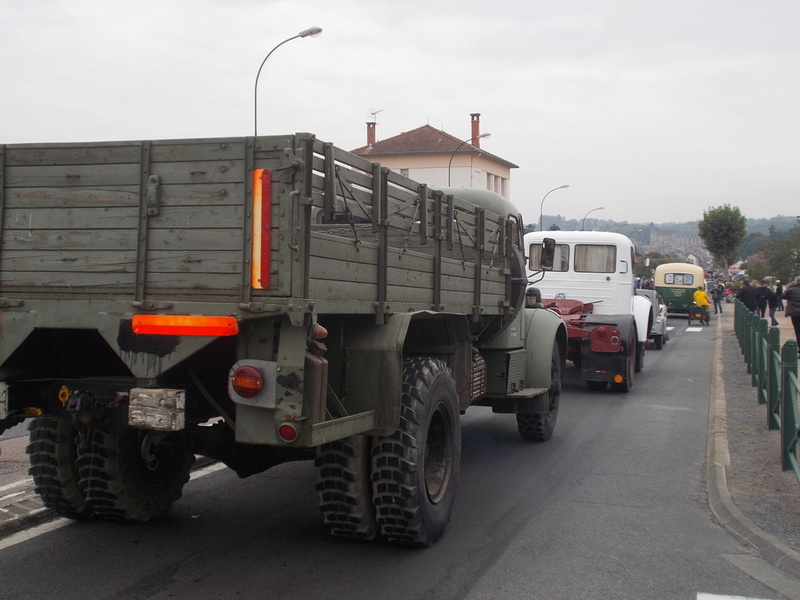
752,243
722,230
783,255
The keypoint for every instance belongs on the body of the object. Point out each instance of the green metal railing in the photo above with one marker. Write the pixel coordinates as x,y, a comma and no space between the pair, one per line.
773,372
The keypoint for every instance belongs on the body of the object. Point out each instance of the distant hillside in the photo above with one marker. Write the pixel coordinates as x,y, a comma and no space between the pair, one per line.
688,228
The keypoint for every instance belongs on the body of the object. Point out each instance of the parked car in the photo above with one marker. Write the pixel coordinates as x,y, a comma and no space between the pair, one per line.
658,318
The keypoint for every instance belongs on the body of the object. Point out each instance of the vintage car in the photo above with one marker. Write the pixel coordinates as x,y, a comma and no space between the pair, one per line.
658,318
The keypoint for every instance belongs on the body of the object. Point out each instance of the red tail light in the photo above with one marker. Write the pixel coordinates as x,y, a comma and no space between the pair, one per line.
184,325
288,432
247,381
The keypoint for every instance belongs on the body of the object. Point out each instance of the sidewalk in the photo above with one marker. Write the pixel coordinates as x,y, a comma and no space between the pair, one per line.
748,493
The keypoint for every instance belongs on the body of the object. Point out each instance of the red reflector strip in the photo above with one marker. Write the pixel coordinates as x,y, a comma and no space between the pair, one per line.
262,222
185,325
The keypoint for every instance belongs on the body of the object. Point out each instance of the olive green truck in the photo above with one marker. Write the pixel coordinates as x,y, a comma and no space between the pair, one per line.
259,300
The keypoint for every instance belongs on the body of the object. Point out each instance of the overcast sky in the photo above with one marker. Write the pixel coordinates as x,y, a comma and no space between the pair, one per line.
655,110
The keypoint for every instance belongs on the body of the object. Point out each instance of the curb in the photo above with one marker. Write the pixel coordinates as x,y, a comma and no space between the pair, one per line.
725,511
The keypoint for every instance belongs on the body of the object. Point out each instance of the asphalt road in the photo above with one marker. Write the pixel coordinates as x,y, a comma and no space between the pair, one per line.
612,507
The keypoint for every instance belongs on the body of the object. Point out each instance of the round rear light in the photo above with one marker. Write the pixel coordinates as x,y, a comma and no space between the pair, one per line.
601,331
247,381
288,432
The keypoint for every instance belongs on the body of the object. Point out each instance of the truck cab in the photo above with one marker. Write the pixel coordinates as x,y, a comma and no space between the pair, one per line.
592,284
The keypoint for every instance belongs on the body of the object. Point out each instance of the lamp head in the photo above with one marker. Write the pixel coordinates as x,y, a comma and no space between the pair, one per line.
310,32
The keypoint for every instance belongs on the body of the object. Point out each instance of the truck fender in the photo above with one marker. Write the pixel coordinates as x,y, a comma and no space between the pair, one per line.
642,309
542,328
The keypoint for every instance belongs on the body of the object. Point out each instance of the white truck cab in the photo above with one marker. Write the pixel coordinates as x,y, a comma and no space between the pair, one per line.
591,283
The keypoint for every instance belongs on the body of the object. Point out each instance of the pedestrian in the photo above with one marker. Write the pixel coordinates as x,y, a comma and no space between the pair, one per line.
779,292
763,294
792,297
716,296
772,303
748,295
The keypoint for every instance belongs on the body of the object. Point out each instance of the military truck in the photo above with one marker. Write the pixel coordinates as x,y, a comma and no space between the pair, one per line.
260,300
592,286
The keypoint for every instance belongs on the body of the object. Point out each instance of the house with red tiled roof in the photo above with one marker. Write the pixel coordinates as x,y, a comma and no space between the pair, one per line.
434,157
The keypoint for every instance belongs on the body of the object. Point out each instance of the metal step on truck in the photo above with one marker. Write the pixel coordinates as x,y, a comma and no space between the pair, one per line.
260,300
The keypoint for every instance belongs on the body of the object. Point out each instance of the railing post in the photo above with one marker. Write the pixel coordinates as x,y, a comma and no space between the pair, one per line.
760,327
738,323
753,348
789,409
773,375
746,336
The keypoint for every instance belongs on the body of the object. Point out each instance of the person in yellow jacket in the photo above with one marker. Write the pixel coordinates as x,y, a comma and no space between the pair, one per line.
701,298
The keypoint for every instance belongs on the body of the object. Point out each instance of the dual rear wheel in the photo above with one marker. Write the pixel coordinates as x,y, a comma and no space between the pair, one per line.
402,486
119,475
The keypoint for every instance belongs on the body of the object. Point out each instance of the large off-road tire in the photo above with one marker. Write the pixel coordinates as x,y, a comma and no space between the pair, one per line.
539,427
415,470
121,485
53,455
344,487
626,385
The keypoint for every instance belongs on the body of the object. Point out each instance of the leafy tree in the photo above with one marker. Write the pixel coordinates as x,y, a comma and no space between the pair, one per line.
752,243
757,266
783,255
722,230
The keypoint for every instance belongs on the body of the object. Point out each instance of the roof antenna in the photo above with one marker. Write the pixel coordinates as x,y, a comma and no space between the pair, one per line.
373,114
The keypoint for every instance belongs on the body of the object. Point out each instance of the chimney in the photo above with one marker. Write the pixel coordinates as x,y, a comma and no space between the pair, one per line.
476,129
371,133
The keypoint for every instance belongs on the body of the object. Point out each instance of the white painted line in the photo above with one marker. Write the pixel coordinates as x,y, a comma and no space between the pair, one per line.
695,328
213,468
701,596
33,532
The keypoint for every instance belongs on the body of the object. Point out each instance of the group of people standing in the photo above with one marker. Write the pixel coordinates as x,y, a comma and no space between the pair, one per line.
760,298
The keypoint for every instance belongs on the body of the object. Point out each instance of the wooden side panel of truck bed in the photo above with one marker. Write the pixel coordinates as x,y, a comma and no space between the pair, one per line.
170,222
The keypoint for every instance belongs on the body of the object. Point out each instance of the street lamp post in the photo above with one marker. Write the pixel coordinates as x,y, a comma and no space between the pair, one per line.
583,225
541,206
628,225
449,164
310,32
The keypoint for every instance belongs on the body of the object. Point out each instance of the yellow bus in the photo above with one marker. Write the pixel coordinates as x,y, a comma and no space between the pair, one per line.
677,283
